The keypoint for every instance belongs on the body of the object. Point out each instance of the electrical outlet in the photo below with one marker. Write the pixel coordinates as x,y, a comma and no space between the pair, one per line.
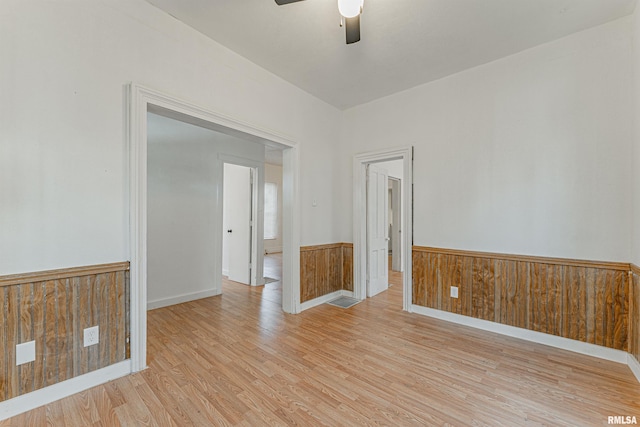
25,352
91,336
454,292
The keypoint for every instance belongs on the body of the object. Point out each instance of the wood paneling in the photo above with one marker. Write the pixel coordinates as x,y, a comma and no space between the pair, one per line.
347,266
325,269
634,310
582,300
53,308
371,365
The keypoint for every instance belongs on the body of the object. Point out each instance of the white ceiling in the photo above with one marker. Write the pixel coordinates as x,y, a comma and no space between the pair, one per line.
404,43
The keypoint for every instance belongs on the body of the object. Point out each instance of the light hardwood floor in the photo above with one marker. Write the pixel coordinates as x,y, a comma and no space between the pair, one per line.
237,360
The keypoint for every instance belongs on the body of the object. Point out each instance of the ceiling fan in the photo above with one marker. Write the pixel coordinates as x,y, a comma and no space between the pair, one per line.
350,11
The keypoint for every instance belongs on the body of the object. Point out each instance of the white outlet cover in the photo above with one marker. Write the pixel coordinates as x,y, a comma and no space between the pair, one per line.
454,292
91,336
25,352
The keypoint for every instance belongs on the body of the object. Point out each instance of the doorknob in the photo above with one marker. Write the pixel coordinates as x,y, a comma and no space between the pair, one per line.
229,231
387,238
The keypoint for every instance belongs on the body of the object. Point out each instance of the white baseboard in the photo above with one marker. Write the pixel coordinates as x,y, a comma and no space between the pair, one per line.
181,298
324,298
273,250
634,365
525,334
17,405
225,272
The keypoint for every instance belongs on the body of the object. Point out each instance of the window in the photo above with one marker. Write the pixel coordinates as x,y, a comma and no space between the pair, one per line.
270,211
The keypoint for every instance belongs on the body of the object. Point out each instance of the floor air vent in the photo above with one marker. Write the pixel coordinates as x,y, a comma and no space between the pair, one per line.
344,302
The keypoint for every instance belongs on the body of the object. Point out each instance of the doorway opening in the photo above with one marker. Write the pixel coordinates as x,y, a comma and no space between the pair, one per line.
272,266
378,223
142,101
395,223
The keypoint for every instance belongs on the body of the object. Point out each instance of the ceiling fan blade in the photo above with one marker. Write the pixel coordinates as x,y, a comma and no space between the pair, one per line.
352,29
281,2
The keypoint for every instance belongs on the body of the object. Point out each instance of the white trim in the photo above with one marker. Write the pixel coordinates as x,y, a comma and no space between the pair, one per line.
324,299
291,234
138,99
525,334
179,299
26,402
634,365
360,162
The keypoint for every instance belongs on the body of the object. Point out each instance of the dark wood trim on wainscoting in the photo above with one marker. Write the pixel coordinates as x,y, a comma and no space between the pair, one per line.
622,266
323,247
63,273
634,311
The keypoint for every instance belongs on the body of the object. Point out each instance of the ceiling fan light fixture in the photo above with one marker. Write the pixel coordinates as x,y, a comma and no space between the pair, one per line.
350,8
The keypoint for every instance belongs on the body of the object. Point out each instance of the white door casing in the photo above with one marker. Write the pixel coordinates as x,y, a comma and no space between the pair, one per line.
396,221
360,162
138,101
237,222
377,230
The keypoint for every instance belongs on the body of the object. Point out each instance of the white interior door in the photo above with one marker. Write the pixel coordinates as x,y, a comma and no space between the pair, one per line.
236,255
377,230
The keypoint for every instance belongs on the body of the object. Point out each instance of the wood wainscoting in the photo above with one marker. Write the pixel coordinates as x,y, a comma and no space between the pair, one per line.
53,308
581,300
634,313
325,269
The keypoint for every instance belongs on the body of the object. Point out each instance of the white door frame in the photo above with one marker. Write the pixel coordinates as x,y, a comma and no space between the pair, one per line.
360,162
396,200
139,98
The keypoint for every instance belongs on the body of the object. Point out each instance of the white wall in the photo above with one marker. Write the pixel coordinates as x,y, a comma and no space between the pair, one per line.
63,159
181,202
635,235
529,154
273,173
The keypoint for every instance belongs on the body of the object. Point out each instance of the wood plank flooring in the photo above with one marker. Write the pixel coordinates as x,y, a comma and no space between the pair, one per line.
237,360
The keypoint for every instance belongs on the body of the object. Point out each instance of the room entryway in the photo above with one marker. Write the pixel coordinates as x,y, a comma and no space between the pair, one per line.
272,260
383,222
206,263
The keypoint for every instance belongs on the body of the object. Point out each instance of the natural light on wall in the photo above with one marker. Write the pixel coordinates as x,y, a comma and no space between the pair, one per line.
270,210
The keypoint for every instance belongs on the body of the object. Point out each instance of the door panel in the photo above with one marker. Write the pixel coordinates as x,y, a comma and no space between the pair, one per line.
237,222
377,230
